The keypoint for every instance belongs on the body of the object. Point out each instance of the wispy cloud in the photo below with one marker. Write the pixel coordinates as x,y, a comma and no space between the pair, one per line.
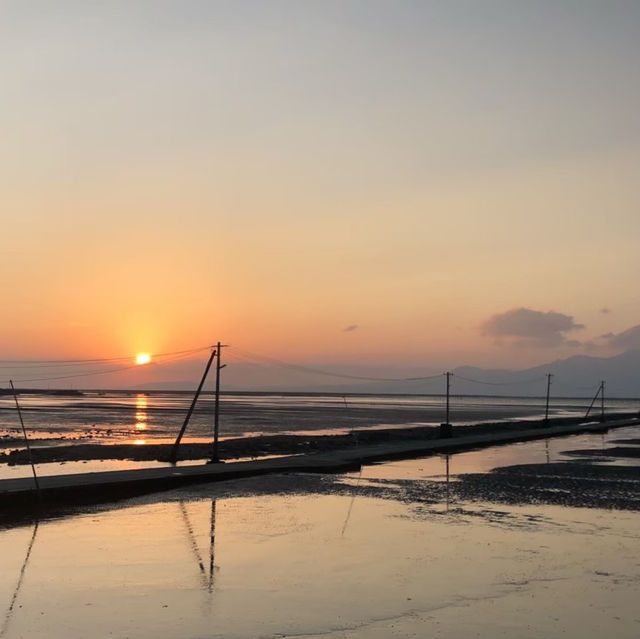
350,328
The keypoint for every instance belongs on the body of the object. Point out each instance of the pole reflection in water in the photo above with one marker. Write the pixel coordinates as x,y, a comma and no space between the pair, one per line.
353,498
206,577
16,591
447,470
212,544
546,449
194,544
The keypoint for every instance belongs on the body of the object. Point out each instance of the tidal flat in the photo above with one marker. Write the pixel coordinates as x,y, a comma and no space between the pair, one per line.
412,548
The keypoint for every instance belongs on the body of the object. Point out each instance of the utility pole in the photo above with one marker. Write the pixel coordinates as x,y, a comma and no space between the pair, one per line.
448,392
446,429
215,458
546,409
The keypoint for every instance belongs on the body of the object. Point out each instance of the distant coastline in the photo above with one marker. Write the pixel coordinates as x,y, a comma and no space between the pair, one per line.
58,392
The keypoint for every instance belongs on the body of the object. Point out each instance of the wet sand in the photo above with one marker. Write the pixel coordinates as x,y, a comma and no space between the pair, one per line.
566,484
617,451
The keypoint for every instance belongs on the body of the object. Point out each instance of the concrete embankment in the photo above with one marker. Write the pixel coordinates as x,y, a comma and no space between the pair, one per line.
107,486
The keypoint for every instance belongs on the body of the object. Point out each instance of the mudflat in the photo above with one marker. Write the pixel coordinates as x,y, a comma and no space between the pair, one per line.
269,445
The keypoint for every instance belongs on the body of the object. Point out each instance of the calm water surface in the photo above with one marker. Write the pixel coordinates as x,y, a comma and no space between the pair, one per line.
238,560
110,417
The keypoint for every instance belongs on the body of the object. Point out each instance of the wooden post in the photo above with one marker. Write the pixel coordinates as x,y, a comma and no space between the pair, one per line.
546,408
173,457
26,440
593,401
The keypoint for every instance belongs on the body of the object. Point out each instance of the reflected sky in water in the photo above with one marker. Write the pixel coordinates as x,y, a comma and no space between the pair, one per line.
212,563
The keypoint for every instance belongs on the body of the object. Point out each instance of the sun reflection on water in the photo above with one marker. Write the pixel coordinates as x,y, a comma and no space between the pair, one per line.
141,412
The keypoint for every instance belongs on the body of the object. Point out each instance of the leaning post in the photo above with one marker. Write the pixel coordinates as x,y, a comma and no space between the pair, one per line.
593,401
26,440
173,456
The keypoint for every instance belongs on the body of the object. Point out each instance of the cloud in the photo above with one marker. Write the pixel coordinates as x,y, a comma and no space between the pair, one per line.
351,327
533,328
605,311
626,341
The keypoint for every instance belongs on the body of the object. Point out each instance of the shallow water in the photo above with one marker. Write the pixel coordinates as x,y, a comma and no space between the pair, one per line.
321,556
432,467
542,451
119,417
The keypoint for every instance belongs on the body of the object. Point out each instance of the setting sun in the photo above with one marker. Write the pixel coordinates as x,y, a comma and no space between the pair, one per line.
143,358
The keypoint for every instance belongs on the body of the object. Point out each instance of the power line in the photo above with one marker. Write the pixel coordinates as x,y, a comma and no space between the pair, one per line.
185,355
48,363
243,355
477,381
591,387
85,374
317,371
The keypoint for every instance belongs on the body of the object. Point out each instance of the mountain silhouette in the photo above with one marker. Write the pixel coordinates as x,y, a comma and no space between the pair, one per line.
577,376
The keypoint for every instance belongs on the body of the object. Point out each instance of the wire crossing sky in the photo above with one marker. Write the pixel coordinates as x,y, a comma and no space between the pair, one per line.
109,368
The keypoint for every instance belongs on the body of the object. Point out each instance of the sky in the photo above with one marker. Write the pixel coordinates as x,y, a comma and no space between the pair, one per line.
380,184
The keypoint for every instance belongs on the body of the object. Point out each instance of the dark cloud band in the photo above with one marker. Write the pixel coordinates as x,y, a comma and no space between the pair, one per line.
528,325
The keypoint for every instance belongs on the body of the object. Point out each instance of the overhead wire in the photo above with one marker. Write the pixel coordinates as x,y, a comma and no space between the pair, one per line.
591,387
46,363
317,371
477,381
178,356
257,359
241,354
